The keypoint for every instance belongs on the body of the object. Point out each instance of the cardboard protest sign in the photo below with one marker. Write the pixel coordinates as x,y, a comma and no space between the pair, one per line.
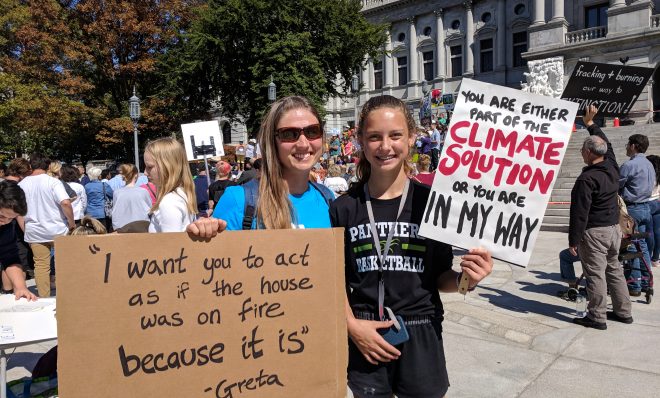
613,89
248,313
202,138
502,154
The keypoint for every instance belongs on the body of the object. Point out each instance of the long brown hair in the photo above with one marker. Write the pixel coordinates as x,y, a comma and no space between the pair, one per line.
128,171
274,209
173,171
384,101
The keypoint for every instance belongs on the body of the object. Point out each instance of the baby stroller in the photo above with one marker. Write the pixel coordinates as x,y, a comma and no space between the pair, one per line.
627,258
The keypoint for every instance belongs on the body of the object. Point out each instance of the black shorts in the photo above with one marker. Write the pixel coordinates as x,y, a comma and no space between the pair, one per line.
420,371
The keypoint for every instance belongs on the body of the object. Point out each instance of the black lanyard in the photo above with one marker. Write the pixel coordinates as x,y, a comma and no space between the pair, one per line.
382,254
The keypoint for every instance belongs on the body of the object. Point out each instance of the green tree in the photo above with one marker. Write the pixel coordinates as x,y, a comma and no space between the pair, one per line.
234,47
68,67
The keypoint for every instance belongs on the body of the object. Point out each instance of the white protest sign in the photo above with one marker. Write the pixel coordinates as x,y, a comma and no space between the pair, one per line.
501,157
202,138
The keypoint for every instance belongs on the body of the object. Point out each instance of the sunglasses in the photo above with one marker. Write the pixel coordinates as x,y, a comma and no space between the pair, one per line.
291,134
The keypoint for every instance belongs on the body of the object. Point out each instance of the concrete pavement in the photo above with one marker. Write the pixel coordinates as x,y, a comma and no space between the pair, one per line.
513,337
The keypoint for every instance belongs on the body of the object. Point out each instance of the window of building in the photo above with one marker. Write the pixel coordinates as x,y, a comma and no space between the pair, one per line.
401,37
402,64
519,9
486,55
486,17
427,59
456,24
226,133
595,16
428,31
456,60
378,75
519,47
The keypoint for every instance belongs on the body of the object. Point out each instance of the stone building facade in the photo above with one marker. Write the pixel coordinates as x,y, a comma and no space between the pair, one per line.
433,44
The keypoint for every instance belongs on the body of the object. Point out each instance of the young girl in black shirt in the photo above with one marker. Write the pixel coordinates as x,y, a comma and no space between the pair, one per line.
405,283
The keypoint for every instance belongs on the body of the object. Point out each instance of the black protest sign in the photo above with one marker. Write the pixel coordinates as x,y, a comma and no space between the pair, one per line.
613,89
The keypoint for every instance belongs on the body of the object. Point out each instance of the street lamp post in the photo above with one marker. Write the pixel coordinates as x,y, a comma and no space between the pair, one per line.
134,111
355,89
425,91
272,90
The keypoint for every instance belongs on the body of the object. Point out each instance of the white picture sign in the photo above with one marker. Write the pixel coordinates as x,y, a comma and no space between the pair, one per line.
202,137
500,160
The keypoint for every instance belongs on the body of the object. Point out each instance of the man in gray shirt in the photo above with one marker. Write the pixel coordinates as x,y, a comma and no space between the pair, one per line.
635,187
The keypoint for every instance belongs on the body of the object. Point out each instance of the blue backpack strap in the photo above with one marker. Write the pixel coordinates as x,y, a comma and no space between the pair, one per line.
327,194
251,191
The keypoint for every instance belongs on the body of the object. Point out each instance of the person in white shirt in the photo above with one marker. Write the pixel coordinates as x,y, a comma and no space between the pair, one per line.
49,214
166,166
130,203
335,181
69,174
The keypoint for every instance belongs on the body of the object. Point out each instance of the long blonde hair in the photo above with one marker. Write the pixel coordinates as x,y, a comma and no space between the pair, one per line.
54,169
275,208
173,171
382,101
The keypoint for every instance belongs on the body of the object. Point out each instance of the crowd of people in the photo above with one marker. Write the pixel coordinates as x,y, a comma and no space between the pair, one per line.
379,173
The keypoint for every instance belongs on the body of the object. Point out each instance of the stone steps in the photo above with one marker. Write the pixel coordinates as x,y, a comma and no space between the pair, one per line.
557,216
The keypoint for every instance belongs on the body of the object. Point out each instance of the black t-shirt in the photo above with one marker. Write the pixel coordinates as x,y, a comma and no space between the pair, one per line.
217,188
8,246
413,263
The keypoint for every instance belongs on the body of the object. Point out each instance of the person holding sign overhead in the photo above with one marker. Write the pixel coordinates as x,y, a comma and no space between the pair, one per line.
393,309
594,231
291,140
167,168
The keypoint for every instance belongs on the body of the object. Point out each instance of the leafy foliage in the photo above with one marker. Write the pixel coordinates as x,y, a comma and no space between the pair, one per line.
68,67
235,46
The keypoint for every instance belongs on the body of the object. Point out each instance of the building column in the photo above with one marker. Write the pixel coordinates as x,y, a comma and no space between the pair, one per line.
617,3
539,12
501,35
558,10
366,75
469,40
412,52
440,54
389,63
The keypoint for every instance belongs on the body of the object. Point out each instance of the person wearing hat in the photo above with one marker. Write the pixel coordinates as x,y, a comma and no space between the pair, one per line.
436,143
221,183
250,150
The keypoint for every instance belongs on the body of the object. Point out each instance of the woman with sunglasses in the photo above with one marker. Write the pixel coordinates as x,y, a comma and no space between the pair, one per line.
291,139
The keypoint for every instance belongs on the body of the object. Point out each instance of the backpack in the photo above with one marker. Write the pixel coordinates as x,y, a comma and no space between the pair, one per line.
626,222
251,190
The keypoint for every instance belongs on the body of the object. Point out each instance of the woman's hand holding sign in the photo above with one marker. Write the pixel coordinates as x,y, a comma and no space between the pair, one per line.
477,264
207,227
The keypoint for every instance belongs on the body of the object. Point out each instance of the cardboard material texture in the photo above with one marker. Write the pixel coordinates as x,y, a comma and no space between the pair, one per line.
248,313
